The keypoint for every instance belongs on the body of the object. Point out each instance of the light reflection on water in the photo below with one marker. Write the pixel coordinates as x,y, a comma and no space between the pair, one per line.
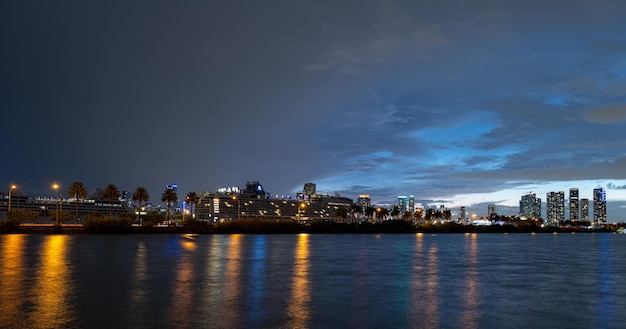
183,287
313,281
299,309
12,275
140,275
230,310
51,301
471,296
431,298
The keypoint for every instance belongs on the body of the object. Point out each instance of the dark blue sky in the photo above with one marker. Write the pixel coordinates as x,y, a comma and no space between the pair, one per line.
455,102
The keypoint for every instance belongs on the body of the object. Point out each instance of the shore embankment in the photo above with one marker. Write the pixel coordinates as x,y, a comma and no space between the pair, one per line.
287,227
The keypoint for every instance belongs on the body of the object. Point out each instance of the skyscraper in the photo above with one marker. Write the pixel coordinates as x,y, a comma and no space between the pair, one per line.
573,205
555,208
584,210
491,210
530,206
599,205
364,201
402,202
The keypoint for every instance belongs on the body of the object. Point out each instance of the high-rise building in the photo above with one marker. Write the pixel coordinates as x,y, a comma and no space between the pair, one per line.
411,204
402,202
555,208
309,189
574,211
530,206
462,213
584,210
599,205
364,201
491,210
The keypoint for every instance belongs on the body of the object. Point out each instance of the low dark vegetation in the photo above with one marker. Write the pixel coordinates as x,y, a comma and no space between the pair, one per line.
257,226
98,223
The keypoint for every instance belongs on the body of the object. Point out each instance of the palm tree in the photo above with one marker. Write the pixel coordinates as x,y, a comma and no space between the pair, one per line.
382,213
418,215
356,210
369,212
192,199
77,190
341,213
140,195
110,193
169,196
395,211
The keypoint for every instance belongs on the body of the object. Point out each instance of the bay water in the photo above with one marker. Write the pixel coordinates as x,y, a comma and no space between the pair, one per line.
313,281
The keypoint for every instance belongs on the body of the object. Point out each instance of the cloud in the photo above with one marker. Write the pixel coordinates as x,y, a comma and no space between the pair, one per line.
606,114
612,186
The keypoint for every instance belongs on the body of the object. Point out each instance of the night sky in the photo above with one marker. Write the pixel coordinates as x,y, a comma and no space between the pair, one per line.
455,102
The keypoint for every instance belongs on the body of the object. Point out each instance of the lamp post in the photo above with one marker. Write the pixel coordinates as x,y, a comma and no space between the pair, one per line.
238,205
13,187
300,207
55,186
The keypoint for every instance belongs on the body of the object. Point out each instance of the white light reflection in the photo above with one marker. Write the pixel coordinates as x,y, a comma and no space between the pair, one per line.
425,302
471,296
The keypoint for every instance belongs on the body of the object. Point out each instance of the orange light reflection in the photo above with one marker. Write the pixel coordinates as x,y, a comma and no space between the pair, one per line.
232,283
52,309
299,309
182,291
11,276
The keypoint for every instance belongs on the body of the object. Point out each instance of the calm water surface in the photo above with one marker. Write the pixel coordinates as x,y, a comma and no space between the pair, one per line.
313,281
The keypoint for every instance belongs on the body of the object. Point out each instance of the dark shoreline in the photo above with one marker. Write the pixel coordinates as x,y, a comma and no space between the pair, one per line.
271,227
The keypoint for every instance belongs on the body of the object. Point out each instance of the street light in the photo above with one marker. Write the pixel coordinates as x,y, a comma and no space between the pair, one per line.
238,205
13,187
302,205
55,186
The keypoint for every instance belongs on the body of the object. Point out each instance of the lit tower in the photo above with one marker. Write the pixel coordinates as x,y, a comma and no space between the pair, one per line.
573,205
364,201
555,208
530,206
599,205
402,202
584,210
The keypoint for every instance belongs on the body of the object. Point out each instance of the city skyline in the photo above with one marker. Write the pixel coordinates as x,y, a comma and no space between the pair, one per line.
456,103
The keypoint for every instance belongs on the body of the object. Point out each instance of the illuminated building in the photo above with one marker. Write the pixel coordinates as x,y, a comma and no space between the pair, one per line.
599,205
555,208
584,210
254,202
462,213
94,203
574,211
402,202
411,203
364,201
530,206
